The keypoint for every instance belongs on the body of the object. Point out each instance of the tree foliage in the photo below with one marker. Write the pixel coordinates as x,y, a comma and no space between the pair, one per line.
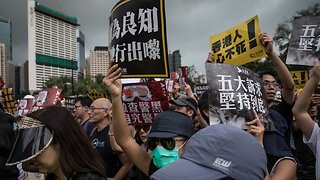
81,87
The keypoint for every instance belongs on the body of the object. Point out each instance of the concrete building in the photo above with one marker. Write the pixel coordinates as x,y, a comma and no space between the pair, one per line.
17,79
174,61
51,45
25,83
98,61
6,36
6,67
3,61
9,80
80,54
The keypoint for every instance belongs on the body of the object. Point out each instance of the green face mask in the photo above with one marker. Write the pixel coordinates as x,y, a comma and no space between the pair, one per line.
162,157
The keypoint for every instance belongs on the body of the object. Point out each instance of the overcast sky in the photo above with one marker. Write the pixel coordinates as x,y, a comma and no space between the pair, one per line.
190,23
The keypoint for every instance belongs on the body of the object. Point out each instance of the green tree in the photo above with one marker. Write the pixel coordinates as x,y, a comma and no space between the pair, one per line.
63,82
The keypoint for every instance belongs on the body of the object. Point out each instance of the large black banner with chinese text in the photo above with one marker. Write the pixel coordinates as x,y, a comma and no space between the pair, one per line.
304,45
143,101
137,38
233,92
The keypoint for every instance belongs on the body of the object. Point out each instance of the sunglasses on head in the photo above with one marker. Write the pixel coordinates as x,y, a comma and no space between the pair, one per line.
145,128
167,143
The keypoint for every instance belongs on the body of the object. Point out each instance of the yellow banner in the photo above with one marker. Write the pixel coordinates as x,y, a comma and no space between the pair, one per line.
238,45
9,106
93,94
300,78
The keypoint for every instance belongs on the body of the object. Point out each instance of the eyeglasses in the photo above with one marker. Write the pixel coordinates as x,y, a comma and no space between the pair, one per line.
268,83
145,128
93,108
167,143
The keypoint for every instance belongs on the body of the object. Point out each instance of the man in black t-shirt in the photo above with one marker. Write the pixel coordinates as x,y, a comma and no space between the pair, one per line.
117,164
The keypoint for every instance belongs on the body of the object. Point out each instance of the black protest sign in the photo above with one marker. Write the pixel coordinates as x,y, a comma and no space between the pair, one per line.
70,102
137,38
233,92
143,101
304,45
199,89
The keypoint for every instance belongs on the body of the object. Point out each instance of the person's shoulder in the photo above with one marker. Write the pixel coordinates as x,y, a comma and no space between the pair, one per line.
87,176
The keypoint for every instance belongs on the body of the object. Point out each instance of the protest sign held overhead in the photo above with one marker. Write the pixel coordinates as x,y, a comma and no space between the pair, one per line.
300,78
238,45
304,45
47,97
94,95
143,101
137,38
70,102
199,89
233,91
9,106
25,105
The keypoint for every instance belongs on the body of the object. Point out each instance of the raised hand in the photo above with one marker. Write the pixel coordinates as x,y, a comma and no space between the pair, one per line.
316,70
267,42
112,81
256,128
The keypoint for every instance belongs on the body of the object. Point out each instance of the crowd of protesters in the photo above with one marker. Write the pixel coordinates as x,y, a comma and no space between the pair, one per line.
94,141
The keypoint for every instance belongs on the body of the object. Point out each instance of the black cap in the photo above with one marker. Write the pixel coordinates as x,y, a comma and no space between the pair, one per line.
32,139
169,124
186,101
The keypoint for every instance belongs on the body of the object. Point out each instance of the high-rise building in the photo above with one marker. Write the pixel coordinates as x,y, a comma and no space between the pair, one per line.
9,71
51,45
98,61
17,79
6,36
80,53
174,61
3,61
25,76
6,67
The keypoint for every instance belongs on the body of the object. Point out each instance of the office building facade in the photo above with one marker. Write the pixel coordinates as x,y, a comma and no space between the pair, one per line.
98,62
51,45
174,61
80,53
6,36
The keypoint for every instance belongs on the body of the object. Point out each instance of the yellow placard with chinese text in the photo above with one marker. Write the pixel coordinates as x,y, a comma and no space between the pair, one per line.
300,78
93,94
238,45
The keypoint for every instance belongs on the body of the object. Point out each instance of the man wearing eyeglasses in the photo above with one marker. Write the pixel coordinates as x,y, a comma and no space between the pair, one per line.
166,139
81,111
281,164
117,163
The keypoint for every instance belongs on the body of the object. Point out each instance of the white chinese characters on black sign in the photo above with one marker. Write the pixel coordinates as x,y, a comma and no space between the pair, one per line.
233,92
138,39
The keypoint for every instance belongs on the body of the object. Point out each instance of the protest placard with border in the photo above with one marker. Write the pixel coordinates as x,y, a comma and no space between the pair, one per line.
304,44
137,38
143,101
233,91
238,45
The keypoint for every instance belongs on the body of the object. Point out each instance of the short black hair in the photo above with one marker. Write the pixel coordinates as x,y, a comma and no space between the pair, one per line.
268,72
84,100
203,101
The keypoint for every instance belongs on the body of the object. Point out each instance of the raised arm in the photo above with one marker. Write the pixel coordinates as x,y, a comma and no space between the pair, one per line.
300,108
121,130
282,70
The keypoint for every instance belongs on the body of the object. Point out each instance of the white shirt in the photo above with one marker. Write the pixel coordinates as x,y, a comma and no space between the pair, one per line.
314,145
